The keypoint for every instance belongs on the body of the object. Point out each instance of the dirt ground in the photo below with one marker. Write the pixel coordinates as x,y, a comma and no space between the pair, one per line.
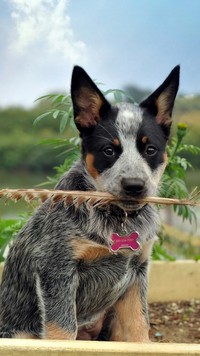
177,322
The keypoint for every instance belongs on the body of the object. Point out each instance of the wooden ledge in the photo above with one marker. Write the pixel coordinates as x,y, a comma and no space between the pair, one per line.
92,348
174,281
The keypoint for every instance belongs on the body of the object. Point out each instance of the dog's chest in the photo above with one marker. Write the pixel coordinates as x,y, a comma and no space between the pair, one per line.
102,282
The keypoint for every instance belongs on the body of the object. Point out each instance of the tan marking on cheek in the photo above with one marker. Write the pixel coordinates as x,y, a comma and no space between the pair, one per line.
22,335
54,332
129,323
145,139
90,165
165,160
165,157
160,170
116,142
88,250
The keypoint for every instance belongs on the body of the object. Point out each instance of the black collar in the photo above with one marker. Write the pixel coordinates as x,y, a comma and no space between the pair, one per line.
121,214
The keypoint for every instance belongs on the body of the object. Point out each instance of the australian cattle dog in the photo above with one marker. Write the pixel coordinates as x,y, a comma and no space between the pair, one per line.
83,273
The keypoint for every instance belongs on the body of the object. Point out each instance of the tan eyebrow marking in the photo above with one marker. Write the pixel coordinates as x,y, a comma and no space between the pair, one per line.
145,139
116,142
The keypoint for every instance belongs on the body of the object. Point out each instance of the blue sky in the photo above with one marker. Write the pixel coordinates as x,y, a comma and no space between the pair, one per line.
118,42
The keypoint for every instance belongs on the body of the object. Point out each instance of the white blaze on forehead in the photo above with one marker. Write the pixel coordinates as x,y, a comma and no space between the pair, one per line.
128,119
130,164
128,114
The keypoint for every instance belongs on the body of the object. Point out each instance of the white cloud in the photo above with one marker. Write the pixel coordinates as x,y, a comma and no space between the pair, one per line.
46,25
38,50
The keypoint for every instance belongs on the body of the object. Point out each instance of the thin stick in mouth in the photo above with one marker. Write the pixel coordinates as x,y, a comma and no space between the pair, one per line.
92,198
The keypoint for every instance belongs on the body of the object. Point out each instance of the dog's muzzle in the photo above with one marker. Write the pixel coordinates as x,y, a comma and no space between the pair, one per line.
133,187
132,190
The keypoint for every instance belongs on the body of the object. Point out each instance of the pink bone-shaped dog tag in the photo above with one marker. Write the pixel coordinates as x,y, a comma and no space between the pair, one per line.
125,241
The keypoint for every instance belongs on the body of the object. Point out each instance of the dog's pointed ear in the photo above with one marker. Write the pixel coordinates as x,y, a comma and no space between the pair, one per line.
89,104
160,103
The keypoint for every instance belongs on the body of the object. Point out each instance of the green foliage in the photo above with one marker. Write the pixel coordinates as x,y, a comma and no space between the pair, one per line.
177,247
61,109
8,231
160,253
73,153
174,177
19,149
174,185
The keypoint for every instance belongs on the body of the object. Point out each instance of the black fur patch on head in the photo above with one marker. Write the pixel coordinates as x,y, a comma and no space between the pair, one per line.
101,146
151,141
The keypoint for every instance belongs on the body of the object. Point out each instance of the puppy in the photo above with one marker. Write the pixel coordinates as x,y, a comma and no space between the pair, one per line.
82,273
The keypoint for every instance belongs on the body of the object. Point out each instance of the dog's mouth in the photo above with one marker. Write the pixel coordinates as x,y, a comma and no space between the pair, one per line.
129,204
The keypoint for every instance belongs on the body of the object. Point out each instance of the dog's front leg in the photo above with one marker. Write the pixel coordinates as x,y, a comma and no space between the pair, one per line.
130,322
59,298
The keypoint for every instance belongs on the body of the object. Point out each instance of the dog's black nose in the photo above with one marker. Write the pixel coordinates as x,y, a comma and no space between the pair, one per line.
133,186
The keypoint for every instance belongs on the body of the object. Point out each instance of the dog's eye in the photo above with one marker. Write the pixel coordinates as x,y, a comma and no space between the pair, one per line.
151,150
109,151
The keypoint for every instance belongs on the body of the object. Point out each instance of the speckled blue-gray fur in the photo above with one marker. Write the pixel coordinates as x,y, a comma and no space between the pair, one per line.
61,279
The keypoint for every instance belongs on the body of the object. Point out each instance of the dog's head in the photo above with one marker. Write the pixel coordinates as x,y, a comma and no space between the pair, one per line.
124,146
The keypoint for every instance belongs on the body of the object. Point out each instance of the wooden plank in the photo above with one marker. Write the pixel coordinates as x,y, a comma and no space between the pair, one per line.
173,281
19,347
